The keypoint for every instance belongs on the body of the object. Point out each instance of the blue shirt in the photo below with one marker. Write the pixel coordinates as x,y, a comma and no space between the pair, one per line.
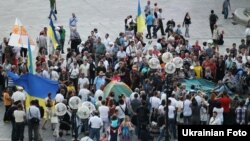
73,21
99,81
149,19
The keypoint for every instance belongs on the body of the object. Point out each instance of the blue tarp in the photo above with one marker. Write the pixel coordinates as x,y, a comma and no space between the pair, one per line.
201,84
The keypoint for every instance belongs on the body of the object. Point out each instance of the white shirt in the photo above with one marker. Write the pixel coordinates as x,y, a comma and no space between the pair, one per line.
54,75
155,102
110,49
74,73
84,94
163,97
33,112
121,54
83,82
106,42
104,112
84,68
173,101
187,111
171,110
95,122
45,74
121,112
98,93
219,113
19,115
161,109
198,99
131,51
59,98
179,105
16,96
215,121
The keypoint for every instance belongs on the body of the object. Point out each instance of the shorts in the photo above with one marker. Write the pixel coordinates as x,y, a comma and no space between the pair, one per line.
48,113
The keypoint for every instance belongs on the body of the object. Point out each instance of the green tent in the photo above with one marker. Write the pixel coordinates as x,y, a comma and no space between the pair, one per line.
117,88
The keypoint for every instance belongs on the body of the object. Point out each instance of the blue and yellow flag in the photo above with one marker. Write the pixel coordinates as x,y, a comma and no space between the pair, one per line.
52,34
140,19
35,86
30,63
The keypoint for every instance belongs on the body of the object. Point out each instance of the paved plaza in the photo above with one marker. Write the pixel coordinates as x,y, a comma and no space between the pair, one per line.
108,16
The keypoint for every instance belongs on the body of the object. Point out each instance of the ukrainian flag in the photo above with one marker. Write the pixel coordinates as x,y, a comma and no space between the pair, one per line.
35,86
140,19
52,34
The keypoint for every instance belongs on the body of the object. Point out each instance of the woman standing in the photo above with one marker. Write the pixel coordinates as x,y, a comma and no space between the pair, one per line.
126,128
19,115
187,22
7,104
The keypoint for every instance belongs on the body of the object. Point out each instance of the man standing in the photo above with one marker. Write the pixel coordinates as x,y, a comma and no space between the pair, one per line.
52,9
19,95
73,21
34,118
160,23
212,20
147,9
149,22
226,5
95,124
99,50
62,38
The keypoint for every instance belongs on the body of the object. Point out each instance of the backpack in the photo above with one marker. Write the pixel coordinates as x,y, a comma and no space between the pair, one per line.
117,41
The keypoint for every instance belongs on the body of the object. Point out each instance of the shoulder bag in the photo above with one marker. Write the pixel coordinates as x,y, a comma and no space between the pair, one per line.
33,120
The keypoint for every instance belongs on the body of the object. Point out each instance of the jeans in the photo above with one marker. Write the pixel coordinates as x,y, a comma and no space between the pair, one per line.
113,135
149,31
95,133
212,27
187,120
225,10
6,117
20,128
33,128
85,127
187,30
172,127
105,124
13,132
52,12
62,45
162,133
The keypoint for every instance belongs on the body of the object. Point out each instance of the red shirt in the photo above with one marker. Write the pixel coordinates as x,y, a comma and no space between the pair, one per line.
225,102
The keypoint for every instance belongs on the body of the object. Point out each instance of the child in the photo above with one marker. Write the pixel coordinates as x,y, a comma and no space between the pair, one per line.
126,127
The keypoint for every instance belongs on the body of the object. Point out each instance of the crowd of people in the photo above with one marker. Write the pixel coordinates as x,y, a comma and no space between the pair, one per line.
86,67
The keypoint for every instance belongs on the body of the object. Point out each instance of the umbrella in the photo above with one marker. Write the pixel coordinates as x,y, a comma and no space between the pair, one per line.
117,88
